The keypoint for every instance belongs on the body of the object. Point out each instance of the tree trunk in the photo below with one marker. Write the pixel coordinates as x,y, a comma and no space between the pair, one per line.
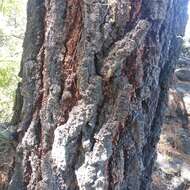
95,75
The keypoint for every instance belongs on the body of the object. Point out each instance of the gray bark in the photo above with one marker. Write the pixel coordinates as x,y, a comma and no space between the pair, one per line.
95,75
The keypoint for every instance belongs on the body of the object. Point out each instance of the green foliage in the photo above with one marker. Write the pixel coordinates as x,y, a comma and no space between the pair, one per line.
8,82
12,26
5,76
7,7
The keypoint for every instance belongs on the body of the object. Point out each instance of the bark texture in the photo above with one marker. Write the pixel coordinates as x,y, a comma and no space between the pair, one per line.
95,75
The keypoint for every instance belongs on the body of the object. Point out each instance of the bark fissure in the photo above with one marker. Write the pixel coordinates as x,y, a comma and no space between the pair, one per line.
70,94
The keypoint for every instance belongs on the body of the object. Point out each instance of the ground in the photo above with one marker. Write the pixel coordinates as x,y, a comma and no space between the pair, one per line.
172,169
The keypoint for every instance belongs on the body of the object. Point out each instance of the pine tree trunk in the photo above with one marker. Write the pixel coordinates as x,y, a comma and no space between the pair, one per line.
95,75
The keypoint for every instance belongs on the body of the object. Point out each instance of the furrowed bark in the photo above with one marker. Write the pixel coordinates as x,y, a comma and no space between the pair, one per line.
95,76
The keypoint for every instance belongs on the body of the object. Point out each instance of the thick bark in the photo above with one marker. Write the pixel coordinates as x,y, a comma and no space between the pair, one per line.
95,75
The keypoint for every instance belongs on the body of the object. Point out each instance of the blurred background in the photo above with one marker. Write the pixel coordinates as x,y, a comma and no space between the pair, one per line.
12,28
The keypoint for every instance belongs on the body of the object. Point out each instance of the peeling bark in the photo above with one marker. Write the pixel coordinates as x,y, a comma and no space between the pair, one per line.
95,76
